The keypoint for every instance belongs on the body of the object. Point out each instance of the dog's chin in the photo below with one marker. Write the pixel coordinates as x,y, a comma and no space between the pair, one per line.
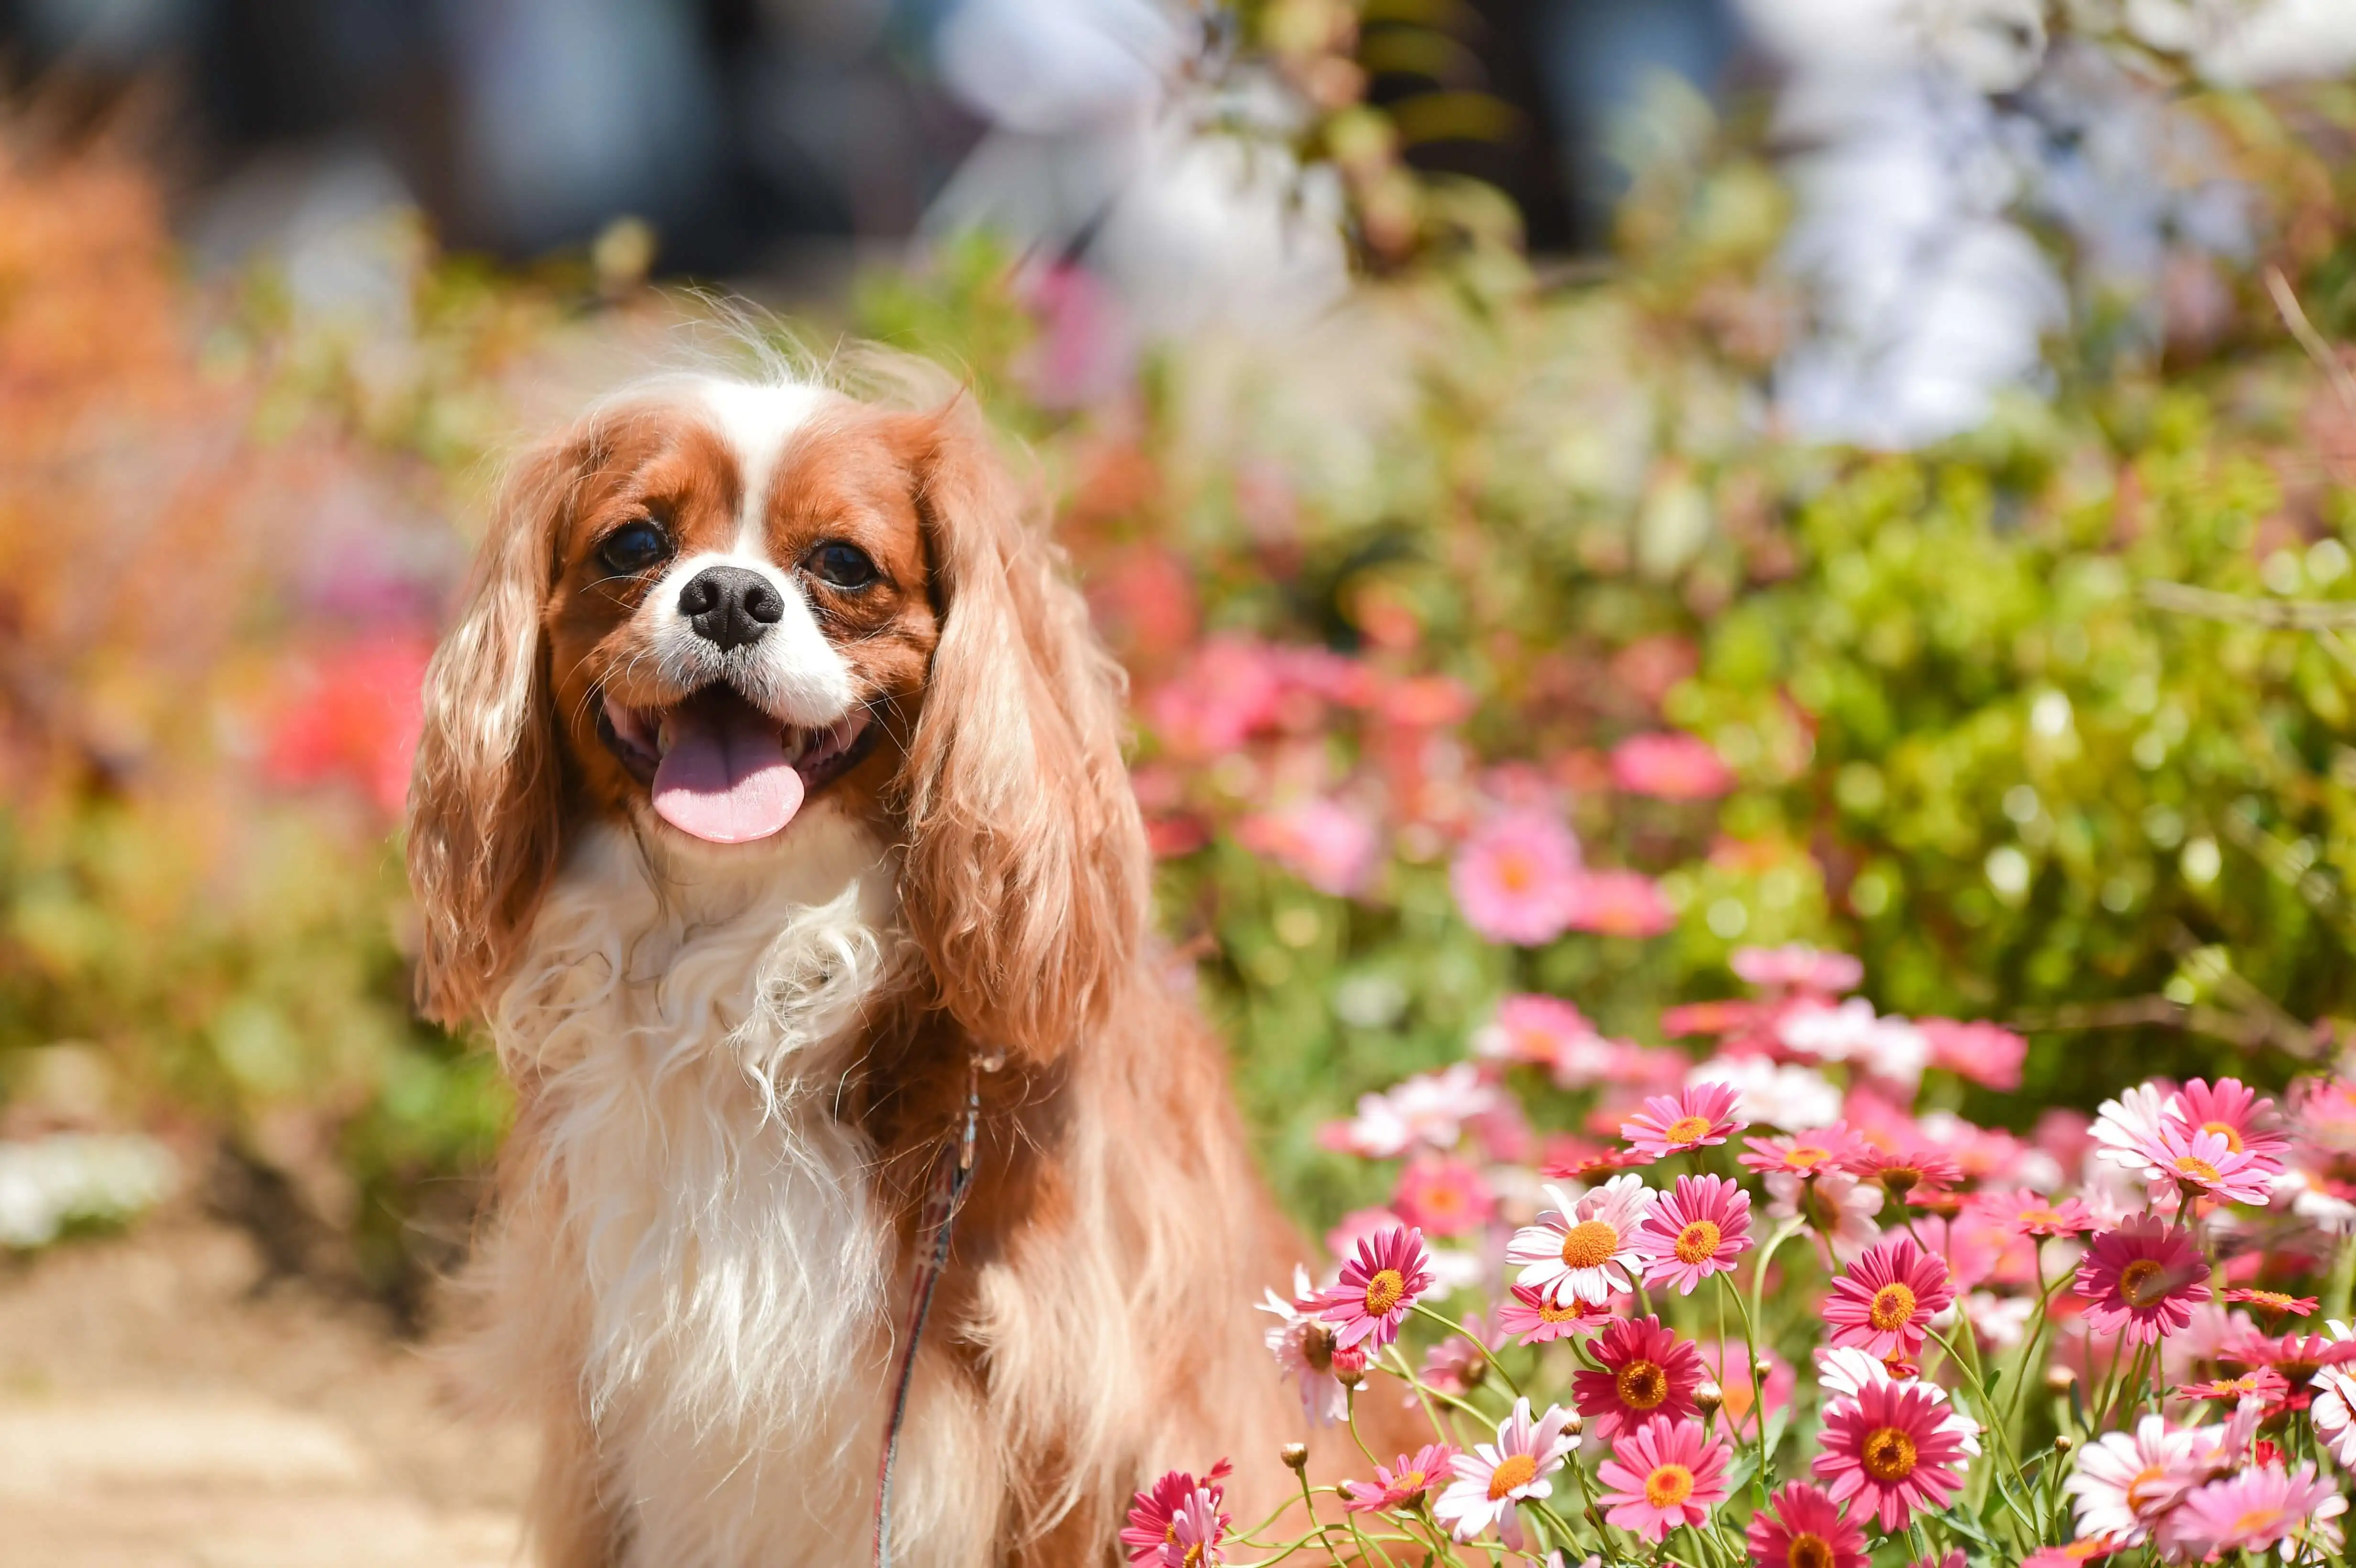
713,770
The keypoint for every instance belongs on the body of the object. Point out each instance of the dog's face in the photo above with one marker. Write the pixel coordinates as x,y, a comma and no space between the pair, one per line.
742,616
713,608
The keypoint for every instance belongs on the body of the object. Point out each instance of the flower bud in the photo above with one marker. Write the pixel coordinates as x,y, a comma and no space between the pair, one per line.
1349,1364
1571,1423
2061,1444
1708,1397
1295,1456
2057,1379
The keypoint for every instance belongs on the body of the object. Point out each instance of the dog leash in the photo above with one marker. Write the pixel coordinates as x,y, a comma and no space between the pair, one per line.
944,1197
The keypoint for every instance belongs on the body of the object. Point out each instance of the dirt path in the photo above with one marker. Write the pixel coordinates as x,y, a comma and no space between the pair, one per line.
155,1411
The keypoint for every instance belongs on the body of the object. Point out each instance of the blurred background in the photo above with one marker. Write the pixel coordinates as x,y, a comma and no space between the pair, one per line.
1876,473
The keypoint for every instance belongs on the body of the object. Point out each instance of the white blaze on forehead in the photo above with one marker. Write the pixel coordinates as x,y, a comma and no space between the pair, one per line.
756,420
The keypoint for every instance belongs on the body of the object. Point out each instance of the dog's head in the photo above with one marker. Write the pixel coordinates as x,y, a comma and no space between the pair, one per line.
714,610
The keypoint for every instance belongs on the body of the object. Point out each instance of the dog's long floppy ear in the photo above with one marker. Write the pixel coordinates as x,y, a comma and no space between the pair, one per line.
485,797
1027,871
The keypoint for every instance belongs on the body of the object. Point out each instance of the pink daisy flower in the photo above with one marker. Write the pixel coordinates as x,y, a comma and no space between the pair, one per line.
1305,1352
1887,1299
2141,1281
1513,876
1196,1530
1664,1474
2264,1384
1910,1174
1646,1371
1838,1208
1799,1154
2027,1214
1694,1231
1153,1512
1403,1484
1538,1321
1493,1480
1701,1115
1802,1528
1669,766
1326,844
1617,903
2280,1303
2205,1163
2123,1125
1796,966
1890,1450
1548,1032
1984,1053
1377,1288
1442,1196
2234,1112
1584,1249
2257,1509
2125,1483
2070,1555
1457,1365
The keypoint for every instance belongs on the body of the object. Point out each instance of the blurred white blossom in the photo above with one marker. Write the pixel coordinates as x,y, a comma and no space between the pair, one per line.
48,1183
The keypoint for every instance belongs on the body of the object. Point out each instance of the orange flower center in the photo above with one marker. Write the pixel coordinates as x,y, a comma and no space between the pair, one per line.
1893,1309
2224,1130
1668,1486
1515,874
2041,1216
1513,1470
1549,1313
2140,1489
1409,1484
2143,1282
1888,1454
2195,1168
1642,1384
2274,1299
1697,1243
1810,1551
1384,1291
1686,1130
1589,1244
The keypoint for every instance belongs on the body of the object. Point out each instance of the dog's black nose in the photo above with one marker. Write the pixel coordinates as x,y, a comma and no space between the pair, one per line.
730,606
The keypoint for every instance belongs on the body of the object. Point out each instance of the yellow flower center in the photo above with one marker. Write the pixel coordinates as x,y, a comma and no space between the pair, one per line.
1697,1243
1383,1292
1513,1470
1888,1454
2273,1299
2041,1216
1893,1309
1642,1384
1589,1244
2224,1130
1807,1157
1549,1313
2143,1282
1193,1555
1810,1551
2194,1168
2258,1521
1686,1130
1409,1484
1668,1486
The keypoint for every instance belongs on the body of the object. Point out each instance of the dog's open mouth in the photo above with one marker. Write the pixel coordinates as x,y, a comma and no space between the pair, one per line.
722,770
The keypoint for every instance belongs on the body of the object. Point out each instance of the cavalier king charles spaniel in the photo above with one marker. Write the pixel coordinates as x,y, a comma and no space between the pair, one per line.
770,799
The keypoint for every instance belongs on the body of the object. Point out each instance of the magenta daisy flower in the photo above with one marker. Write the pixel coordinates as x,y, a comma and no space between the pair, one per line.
2255,1510
1403,1484
2277,1302
1671,1124
1153,1512
1492,1481
2205,1163
1539,1321
1889,1449
1802,1528
1664,1474
2027,1214
1442,1196
1888,1297
1646,1371
1377,1288
2142,1280
2235,1113
1696,1232
1584,1250
1197,1531
1908,1175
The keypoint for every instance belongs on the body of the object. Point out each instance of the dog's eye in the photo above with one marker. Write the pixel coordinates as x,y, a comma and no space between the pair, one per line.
843,565
634,547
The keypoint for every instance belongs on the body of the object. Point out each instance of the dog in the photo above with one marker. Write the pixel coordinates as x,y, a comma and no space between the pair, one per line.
770,806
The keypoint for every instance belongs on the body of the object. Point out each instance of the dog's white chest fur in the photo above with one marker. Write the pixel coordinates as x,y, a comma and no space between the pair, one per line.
715,1247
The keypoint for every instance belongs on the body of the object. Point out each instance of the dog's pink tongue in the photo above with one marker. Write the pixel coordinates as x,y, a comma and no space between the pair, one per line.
725,777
